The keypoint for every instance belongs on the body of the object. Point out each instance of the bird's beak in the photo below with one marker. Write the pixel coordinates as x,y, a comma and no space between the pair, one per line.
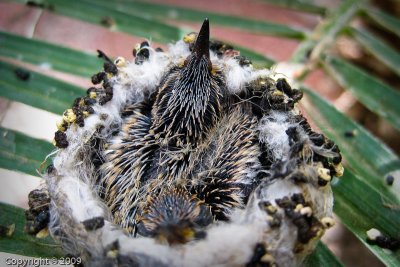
202,45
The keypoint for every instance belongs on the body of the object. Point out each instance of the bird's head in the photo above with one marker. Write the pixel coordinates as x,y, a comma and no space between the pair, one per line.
198,62
174,217
189,99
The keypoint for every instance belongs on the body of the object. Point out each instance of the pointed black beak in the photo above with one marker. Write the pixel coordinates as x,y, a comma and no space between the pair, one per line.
202,45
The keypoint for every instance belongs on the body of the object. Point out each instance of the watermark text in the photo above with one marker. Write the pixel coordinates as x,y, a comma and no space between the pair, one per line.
37,262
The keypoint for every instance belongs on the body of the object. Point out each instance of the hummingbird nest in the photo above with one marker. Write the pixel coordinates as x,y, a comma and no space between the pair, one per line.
189,157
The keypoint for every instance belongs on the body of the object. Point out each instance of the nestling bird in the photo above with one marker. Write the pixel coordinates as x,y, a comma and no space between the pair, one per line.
190,157
187,120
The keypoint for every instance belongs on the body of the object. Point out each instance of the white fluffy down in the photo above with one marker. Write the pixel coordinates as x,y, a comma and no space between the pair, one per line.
237,76
272,130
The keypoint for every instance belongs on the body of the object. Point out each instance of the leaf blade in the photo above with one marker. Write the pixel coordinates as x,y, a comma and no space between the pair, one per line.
21,243
48,55
374,94
38,90
161,12
322,256
324,34
361,208
385,20
113,19
299,6
22,153
386,54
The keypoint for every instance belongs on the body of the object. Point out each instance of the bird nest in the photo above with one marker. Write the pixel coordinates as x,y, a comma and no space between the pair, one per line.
189,157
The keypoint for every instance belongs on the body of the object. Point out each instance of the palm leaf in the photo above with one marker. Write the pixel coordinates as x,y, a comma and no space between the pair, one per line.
326,31
304,6
47,55
21,243
161,12
361,208
377,47
22,153
322,256
36,90
383,19
374,94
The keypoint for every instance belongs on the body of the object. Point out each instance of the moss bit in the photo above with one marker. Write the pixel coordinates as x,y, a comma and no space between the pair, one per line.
375,237
328,222
261,257
190,38
43,233
7,231
60,140
94,223
308,227
69,116
93,95
339,170
307,211
62,126
350,134
37,216
389,180
268,207
142,53
22,74
120,62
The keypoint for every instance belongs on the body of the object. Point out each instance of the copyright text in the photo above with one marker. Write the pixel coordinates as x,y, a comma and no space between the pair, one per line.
37,262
